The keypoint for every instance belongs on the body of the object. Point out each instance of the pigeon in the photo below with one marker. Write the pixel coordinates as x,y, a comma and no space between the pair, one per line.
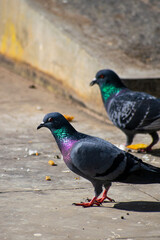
132,112
97,160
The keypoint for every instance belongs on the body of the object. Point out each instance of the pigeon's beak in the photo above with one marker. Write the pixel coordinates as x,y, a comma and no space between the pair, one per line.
41,125
94,81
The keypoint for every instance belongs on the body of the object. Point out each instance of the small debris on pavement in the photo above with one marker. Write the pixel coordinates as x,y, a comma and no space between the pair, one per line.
39,108
37,234
52,163
48,178
66,171
32,86
33,152
121,146
76,178
57,156
137,146
69,118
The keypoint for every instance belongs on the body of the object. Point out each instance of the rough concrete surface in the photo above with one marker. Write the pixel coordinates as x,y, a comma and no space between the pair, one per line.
33,208
127,30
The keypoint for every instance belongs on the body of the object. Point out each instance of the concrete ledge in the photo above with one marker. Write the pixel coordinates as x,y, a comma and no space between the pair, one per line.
150,85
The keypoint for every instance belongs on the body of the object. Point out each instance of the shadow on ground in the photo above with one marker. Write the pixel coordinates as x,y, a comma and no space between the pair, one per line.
155,152
139,206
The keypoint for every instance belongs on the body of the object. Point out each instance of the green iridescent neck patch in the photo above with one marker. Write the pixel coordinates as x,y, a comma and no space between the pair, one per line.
109,90
61,133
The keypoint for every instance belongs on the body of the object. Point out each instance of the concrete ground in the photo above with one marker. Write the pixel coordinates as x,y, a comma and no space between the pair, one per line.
33,208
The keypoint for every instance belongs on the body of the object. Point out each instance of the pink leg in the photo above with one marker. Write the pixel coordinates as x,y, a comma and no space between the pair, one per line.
104,196
88,204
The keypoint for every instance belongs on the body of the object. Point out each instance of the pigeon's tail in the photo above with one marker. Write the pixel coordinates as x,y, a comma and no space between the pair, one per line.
144,176
143,173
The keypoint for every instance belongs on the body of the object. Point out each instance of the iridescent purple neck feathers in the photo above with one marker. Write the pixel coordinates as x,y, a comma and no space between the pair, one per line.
65,138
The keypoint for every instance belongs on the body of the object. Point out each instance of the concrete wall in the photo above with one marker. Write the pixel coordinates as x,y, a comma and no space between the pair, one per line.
29,34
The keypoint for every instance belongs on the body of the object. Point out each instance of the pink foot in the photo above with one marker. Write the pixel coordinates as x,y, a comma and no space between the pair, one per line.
88,204
104,196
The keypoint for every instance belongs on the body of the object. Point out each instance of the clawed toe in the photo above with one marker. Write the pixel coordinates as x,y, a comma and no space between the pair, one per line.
86,204
111,200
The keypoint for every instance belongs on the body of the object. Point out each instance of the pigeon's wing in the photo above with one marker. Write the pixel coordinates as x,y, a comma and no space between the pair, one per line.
134,110
151,120
150,125
138,172
105,162
98,159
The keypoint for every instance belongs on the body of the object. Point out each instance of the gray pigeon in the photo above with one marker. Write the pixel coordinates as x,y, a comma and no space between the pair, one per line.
97,160
132,112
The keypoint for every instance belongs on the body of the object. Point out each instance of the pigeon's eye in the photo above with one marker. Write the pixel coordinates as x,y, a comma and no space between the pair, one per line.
102,76
50,119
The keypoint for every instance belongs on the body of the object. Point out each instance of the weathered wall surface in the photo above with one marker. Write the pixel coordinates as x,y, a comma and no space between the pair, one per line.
32,34
28,35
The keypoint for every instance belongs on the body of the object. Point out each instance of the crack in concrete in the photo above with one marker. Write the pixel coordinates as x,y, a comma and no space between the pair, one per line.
44,190
147,194
137,237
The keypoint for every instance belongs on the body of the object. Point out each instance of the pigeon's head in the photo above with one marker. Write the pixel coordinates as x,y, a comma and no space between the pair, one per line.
106,77
53,121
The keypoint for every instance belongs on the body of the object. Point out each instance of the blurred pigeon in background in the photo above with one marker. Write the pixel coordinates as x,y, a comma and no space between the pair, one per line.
97,160
132,112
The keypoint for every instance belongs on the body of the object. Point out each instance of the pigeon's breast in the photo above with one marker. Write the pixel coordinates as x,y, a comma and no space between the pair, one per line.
66,148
